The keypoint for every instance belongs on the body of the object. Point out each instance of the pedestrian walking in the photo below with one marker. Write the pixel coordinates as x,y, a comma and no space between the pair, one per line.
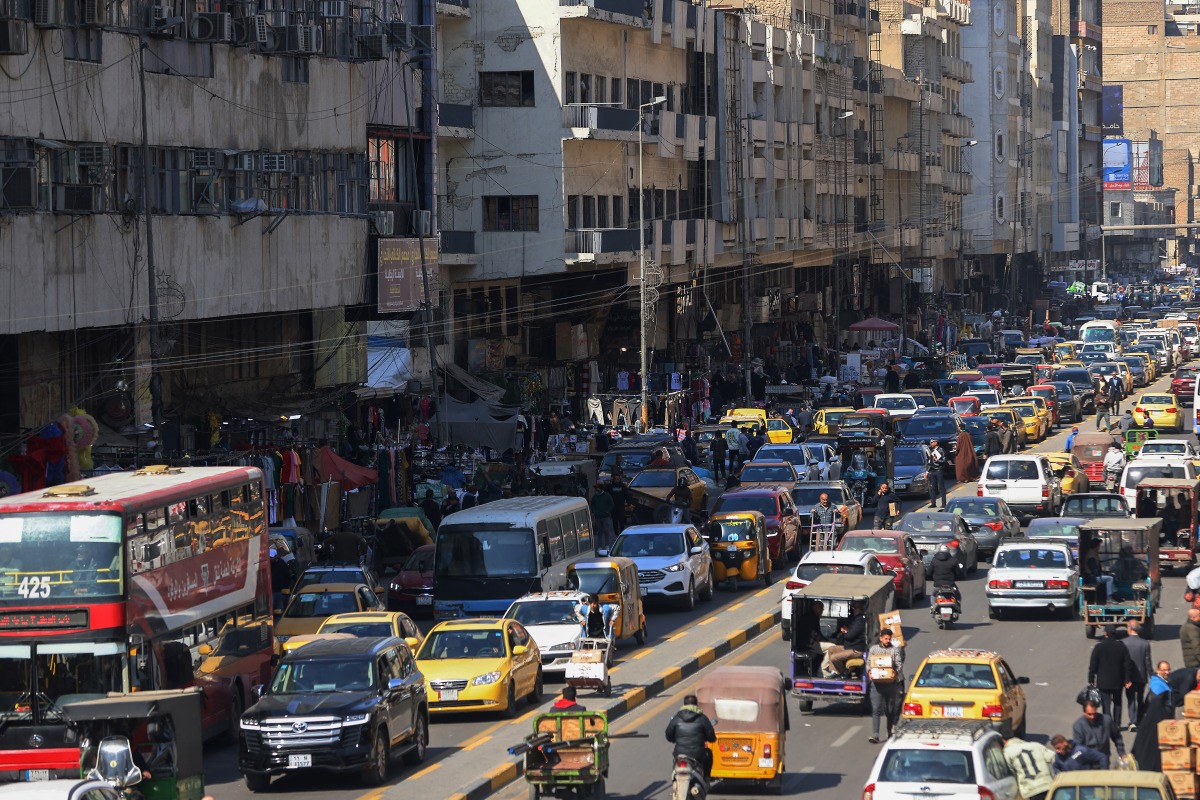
1008,438
887,507
1032,764
733,438
966,463
1111,670
1116,391
1189,638
1070,756
688,446
1103,410
1096,730
937,481
743,447
1139,654
1071,438
755,442
885,670
718,448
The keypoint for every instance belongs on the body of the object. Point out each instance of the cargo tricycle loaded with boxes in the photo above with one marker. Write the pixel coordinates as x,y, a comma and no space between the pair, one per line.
566,755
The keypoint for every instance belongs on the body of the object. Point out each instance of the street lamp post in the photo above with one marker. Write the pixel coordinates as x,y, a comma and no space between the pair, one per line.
900,231
747,243
844,232
645,361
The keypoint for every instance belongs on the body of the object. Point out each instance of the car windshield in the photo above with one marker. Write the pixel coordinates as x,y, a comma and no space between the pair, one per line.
732,530
321,604
1157,400
363,629
809,572
895,402
323,675
927,766
943,675
634,545
753,473
927,527
934,426
742,502
456,643
859,422
543,612
909,457
974,507
834,417
1136,473
875,544
654,479
808,496
1076,376
1011,470
1162,447
329,576
1031,558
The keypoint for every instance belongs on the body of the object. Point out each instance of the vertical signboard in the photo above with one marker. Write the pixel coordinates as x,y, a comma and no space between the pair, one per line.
1112,110
1117,153
400,286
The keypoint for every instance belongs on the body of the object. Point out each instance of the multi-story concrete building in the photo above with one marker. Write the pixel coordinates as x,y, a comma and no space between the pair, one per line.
252,124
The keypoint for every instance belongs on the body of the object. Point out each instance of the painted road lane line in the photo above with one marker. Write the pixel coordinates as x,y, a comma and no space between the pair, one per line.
847,736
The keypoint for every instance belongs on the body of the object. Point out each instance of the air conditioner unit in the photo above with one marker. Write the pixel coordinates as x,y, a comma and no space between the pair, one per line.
77,198
257,30
14,37
244,162
93,12
157,20
211,28
372,47
45,13
203,159
305,39
276,162
384,222
398,35
420,223
422,37
93,155
18,188
334,8
276,40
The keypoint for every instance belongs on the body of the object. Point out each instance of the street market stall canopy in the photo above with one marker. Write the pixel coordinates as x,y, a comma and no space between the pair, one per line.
476,424
332,467
874,324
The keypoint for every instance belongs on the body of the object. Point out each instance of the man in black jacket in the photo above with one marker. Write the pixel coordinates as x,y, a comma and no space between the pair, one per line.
689,730
854,639
992,446
1112,671
1098,731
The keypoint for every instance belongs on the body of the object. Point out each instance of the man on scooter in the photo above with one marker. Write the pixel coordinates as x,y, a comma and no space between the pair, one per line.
944,572
681,498
1114,463
689,730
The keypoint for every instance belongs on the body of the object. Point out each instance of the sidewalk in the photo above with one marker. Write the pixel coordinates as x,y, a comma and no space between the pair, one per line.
483,766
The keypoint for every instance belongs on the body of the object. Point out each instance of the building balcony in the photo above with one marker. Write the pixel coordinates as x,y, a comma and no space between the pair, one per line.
932,175
901,89
955,10
808,170
959,69
958,125
852,15
808,230
957,182
1087,30
622,12
609,244
902,160
456,121
588,121
933,245
1090,81
454,8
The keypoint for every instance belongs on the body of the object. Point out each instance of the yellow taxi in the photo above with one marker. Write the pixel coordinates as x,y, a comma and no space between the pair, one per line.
968,684
1091,784
826,417
375,623
1036,426
1004,414
1071,364
649,488
1043,407
308,608
480,665
1151,364
1071,484
1064,351
1164,410
745,418
779,431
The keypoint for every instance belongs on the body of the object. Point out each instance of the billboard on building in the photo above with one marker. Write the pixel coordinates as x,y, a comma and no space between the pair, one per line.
1117,156
1112,110
400,286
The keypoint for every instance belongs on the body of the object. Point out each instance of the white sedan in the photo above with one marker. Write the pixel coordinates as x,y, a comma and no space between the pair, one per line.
821,562
1033,575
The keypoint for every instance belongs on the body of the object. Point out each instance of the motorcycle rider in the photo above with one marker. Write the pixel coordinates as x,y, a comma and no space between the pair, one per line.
944,572
1114,463
689,730
681,498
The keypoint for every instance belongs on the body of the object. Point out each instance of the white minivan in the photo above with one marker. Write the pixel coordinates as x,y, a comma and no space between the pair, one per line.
1026,482
1139,469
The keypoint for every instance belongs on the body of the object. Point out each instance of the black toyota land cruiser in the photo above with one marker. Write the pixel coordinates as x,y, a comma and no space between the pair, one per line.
345,705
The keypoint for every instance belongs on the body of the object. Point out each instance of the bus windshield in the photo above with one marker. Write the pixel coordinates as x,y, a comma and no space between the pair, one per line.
51,556
469,552
36,689
1099,334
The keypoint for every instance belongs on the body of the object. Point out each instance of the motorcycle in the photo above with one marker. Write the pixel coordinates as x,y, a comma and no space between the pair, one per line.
688,781
946,607
1111,478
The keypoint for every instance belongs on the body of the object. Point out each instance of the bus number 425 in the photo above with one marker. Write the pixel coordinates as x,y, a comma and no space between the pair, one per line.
36,586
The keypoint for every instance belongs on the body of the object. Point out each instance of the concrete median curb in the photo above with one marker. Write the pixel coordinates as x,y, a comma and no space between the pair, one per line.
496,779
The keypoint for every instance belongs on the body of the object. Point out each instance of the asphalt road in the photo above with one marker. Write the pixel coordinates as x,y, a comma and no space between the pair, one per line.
1052,653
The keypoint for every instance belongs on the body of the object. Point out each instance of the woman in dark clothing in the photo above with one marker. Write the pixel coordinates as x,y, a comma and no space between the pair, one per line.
1158,707
966,463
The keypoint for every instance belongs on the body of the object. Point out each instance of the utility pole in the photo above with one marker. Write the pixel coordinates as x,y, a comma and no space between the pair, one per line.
156,401
643,351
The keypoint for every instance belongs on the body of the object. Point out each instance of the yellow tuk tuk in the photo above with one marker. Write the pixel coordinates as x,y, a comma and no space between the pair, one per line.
738,543
749,707
614,580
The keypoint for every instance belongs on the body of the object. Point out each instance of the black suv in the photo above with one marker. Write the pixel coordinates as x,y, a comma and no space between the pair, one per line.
345,705
1082,380
1070,405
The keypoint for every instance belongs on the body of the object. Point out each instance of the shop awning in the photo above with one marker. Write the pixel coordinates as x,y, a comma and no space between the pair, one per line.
874,324
332,467
477,424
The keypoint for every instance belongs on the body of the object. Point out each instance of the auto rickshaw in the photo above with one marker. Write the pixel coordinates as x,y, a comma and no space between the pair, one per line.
566,755
750,709
161,731
398,533
1119,577
1174,501
1135,438
1090,449
812,634
614,580
738,543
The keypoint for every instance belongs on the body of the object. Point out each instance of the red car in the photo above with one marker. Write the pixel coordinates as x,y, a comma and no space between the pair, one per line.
898,555
1183,384
411,588
782,518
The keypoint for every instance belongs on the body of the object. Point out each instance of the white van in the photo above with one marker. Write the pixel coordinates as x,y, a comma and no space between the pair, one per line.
1026,482
1158,467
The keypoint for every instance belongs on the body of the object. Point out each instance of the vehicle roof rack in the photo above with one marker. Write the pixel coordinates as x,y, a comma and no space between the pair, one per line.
931,728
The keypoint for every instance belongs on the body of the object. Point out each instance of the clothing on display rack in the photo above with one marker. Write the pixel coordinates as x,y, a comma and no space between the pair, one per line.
595,410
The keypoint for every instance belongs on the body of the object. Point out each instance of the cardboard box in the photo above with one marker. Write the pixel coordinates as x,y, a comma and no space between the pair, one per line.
1180,759
1193,726
1184,783
1172,733
1191,705
891,619
881,669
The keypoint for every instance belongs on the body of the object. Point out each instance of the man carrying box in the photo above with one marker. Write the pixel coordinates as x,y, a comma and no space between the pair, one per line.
885,669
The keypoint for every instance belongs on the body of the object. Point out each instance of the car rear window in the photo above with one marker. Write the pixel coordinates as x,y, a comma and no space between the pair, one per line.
1106,793
760,474
927,766
1031,558
942,675
809,572
736,502
1075,376
932,426
1008,470
1136,473
1086,506
808,496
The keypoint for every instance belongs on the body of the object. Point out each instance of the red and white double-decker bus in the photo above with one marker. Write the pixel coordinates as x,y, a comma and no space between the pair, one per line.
154,579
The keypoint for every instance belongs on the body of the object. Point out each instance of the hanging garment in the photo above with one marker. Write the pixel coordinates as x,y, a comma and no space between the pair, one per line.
595,411
623,381
622,413
290,472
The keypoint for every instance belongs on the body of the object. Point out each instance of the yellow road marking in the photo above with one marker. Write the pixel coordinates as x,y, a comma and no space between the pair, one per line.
705,622
735,606
412,777
641,654
477,742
